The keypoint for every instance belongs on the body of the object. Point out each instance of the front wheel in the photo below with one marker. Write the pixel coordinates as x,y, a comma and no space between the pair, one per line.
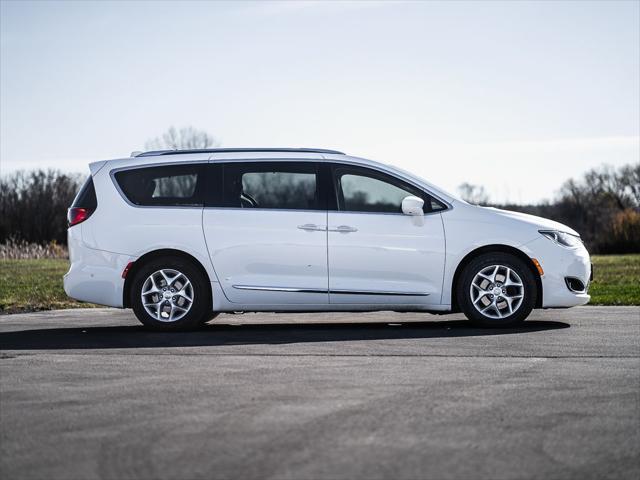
497,289
170,293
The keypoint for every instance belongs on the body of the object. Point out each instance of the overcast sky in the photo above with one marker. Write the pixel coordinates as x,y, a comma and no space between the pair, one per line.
515,96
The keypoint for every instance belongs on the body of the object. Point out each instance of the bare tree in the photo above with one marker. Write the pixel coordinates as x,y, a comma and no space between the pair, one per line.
187,138
474,194
33,205
605,186
630,179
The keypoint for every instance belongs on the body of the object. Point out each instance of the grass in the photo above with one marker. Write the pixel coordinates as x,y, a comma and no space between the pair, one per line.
29,285
32,285
616,280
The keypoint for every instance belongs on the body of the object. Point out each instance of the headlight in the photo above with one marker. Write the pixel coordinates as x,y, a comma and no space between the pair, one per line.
561,238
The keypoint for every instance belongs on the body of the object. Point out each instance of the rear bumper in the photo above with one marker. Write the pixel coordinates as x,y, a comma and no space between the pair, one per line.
94,276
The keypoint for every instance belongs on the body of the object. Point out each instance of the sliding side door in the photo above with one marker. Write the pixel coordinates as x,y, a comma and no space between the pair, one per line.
265,228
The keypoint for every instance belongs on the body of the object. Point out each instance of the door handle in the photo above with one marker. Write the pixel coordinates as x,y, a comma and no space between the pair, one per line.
343,229
312,227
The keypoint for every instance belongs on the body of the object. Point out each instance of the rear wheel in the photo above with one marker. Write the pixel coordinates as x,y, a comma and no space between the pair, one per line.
170,293
496,289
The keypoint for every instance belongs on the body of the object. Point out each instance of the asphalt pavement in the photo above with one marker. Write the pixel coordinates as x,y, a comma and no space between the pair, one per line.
90,394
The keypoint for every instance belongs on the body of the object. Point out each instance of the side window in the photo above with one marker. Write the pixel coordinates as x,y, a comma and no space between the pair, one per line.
366,194
273,185
364,190
436,205
170,185
86,197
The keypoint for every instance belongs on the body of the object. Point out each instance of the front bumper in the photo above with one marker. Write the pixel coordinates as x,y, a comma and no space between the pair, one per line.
559,263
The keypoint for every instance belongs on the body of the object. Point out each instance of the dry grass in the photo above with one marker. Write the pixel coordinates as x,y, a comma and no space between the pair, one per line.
21,250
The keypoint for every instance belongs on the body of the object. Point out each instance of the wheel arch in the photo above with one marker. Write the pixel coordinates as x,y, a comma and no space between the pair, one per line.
494,248
165,252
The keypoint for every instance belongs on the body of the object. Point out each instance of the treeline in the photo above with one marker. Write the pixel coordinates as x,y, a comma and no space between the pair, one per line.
603,205
33,205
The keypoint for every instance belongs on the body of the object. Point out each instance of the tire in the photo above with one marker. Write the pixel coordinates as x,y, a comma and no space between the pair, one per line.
186,307
488,299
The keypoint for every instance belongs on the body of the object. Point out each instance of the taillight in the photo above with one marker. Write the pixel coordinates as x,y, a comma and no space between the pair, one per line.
78,215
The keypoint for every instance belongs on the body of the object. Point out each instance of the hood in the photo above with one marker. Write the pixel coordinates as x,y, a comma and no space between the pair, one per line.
538,222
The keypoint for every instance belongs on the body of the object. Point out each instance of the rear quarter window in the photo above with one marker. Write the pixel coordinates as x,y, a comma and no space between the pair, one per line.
167,185
86,197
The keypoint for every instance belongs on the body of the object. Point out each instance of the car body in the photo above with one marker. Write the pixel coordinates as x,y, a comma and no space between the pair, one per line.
326,232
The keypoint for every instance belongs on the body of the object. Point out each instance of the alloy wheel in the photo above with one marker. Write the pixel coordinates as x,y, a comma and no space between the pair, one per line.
497,291
167,295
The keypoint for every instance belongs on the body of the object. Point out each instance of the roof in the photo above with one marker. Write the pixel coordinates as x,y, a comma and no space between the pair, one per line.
244,154
156,153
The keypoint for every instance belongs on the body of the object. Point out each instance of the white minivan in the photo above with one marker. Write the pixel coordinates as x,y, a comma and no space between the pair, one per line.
180,236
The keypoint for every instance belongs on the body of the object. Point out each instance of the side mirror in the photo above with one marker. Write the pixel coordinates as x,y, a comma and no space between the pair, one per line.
412,206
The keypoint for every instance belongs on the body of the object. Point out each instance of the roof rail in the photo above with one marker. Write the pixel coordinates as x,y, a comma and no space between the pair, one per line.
154,153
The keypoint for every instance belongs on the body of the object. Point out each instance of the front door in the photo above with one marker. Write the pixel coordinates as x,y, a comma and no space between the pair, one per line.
377,254
267,237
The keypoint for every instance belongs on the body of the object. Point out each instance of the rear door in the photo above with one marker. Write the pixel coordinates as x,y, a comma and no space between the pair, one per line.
265,227
377,254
